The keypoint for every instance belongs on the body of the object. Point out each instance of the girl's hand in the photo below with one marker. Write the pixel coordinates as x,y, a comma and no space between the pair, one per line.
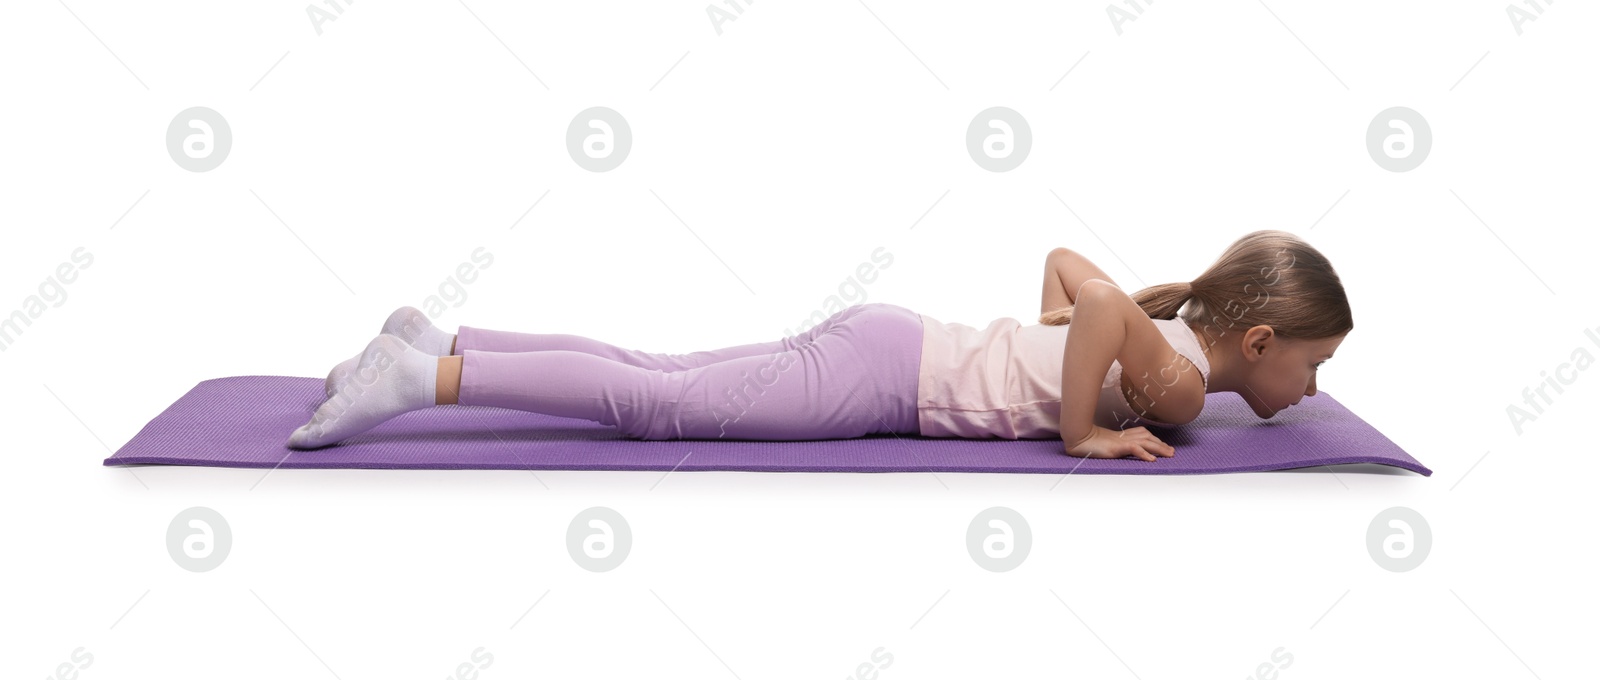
1134,441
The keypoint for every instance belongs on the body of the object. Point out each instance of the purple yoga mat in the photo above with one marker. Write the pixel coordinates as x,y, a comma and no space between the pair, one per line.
244,421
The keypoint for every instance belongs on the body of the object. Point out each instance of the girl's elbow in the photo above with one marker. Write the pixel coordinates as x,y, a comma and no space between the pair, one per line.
1096,289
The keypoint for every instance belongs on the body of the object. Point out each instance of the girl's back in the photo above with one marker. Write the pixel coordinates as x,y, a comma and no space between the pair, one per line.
1004,381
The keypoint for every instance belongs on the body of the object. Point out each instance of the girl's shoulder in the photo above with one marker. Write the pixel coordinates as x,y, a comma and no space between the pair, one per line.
1187,344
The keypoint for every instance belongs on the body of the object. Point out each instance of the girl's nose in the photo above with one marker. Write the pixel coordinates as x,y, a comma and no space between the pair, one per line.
1311,388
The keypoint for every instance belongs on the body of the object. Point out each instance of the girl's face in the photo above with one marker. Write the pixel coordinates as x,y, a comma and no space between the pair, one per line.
1283,370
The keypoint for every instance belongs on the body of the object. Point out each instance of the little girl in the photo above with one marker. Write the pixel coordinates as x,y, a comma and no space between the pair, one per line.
1257,322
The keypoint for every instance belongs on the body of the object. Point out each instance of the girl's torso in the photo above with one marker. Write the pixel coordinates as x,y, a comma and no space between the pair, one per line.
1004,381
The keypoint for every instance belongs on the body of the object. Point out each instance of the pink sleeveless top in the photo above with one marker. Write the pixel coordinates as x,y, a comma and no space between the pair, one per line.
1004,381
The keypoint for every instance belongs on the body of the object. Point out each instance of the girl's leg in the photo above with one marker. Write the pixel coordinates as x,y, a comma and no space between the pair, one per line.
857,376
447,388
479,339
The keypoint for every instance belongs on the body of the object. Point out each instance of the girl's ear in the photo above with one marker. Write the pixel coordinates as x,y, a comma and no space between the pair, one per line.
1259,338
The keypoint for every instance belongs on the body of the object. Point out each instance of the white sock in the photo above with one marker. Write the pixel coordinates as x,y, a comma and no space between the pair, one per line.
410,325
391,378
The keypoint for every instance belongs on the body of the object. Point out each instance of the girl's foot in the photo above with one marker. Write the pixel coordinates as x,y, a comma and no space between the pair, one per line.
391,378
410,325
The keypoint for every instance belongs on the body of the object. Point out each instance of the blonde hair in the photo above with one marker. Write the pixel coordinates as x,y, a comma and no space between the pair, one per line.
1267,277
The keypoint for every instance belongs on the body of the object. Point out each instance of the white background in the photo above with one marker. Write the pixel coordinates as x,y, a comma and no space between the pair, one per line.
768,162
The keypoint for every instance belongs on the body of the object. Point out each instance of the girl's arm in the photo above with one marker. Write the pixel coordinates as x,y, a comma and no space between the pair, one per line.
1107,325
1064,273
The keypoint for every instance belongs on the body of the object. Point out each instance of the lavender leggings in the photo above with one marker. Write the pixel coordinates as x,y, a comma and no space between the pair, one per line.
854,374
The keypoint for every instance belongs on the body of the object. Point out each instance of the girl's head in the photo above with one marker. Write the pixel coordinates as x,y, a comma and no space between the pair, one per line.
1267,312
